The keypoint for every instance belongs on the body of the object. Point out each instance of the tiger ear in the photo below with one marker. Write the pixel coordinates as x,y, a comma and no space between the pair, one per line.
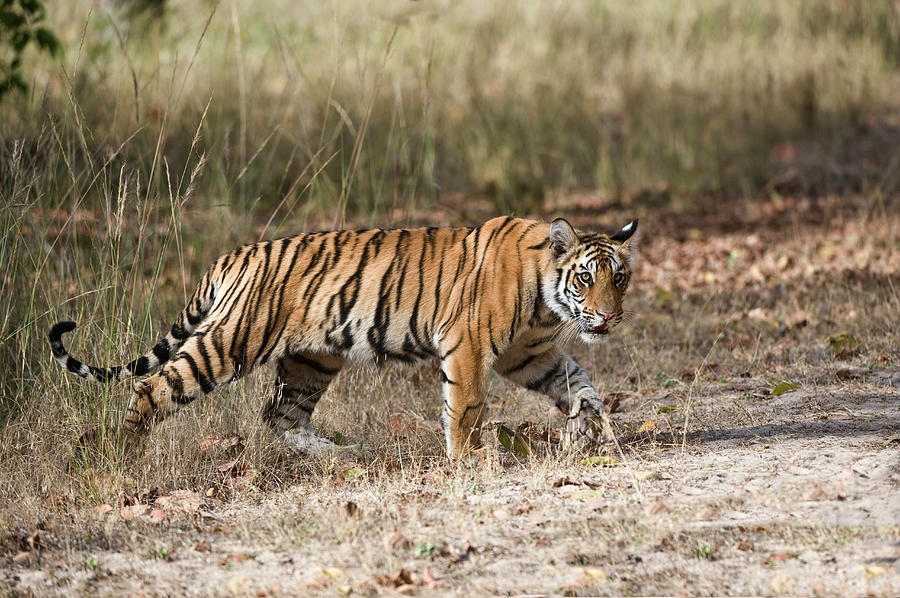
562,238
626,232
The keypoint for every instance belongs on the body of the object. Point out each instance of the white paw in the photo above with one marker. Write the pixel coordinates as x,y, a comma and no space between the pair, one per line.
587,425
306,441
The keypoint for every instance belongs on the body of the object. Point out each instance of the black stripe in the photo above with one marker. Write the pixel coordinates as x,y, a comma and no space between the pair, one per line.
313,364
141,366
520,366
201,378
161,350
543,383
274,304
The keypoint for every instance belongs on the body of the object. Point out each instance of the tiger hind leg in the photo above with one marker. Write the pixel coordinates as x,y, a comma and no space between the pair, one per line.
302,380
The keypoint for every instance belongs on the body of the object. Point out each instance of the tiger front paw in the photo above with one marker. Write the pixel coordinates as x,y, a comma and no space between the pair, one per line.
587,425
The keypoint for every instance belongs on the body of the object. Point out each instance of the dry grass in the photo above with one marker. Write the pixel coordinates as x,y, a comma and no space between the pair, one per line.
153,151
796,490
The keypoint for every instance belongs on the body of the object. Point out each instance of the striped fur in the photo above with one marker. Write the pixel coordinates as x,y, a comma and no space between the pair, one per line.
501,295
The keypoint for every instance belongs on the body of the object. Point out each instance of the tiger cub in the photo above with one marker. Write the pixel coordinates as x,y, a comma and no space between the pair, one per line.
499,296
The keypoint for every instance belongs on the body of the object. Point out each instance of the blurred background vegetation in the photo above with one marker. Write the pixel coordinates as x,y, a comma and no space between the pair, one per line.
370,106
157,134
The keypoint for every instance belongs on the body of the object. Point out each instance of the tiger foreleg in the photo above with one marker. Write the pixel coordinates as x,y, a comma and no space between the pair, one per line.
556,375
463,383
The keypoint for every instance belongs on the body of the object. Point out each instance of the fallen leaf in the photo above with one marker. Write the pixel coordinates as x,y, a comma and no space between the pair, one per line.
238,585
657,507
232,559
873,570
345,590
395,541
103,508
515,443
227,466
708,514
667,408
210,442
759,314
538,518
401,578
428,579
781,585
777,557
594,574
331,572
849,373
21,556
202,546
564,481
586,495
352,473
816,493
133,511
649,426
745,545
783,387
187,501
397,425
157,515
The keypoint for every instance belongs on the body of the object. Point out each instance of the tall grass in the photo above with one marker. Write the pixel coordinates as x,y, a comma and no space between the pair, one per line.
392,104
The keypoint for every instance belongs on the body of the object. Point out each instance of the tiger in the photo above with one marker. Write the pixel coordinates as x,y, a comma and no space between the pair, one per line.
503,295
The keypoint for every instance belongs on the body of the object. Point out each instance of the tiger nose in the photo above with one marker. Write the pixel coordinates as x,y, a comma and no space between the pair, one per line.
608,315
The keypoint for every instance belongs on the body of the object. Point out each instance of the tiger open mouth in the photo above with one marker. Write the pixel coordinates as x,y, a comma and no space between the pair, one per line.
601,329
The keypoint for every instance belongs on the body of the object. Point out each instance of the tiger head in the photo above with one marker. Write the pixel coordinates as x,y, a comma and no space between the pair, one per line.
590,277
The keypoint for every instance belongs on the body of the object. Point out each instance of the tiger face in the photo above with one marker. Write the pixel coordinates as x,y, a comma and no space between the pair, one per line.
590,279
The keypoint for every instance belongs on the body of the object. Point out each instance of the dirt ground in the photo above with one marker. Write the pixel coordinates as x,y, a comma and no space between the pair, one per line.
802,500
758,453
